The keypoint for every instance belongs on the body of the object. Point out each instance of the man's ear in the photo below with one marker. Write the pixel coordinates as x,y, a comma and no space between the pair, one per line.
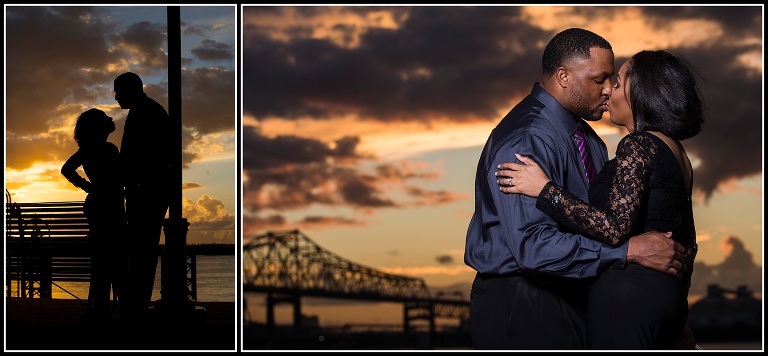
562,76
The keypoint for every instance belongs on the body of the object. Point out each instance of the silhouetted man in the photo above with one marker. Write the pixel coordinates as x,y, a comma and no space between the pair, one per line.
145,155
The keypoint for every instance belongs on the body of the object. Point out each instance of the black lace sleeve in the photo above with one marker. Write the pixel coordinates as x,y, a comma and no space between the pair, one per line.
611,226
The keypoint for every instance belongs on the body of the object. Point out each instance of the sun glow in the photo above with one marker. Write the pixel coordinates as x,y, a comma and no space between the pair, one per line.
40,183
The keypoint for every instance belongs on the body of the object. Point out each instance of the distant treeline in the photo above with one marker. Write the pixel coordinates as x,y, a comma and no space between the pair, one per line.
206,249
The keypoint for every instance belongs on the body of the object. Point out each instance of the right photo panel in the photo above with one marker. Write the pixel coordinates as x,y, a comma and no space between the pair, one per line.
489,177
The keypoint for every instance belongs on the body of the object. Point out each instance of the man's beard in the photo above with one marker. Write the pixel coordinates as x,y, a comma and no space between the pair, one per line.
584,110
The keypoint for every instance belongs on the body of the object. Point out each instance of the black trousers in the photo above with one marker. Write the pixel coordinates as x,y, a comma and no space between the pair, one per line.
145,210
636,308
517,313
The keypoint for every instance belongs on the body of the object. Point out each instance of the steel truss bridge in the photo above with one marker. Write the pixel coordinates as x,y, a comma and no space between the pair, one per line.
288,265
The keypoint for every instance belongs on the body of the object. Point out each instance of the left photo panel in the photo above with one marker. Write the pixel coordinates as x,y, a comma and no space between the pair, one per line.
121,178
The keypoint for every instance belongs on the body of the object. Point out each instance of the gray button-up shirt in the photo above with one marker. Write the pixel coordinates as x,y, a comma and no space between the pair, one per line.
507,232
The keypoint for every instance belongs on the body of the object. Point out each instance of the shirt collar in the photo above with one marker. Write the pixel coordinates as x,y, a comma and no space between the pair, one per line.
569,122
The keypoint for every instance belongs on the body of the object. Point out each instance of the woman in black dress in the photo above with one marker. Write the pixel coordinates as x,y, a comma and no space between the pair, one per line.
646,187
104,208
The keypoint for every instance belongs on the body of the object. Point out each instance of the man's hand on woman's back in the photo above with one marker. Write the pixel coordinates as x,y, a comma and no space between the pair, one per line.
657,251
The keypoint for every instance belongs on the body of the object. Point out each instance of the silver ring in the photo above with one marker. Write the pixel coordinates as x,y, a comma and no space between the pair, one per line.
510,181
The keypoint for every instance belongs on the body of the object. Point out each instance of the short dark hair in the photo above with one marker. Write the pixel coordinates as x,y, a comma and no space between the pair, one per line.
93,124
568,44
129,82
664,95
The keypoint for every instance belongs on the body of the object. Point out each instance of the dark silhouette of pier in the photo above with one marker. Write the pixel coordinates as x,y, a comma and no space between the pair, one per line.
47,243
288,265
727,315
43,324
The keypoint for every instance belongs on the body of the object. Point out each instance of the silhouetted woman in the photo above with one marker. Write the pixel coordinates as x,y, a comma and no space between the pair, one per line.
104,207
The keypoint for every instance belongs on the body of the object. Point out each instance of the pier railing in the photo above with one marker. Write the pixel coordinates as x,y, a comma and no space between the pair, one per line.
45,243
48,242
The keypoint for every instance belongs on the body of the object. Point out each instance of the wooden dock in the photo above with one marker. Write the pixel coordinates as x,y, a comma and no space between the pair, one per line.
42,324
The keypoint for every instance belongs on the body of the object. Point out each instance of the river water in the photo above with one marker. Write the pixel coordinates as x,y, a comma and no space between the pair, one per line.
215,282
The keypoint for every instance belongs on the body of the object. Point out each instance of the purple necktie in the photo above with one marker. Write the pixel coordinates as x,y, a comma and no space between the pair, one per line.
581,143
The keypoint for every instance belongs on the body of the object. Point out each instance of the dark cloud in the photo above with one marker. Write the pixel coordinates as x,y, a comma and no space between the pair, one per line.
465,63
210,50
208,100
733,93
319,78
280,187
207,105
189,29
289,172
730,143
146,39
158,91
429,197
462,63
387,171
40,89
295,186
190,185
202,29
253,225
361,192
316,222
444,259
265,153
737,269
187,157
736,20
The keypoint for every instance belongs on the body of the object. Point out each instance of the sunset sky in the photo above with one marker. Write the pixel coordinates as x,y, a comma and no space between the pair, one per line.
362,125
61,61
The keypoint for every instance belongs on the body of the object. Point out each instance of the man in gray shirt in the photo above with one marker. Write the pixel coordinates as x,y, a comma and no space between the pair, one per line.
532,275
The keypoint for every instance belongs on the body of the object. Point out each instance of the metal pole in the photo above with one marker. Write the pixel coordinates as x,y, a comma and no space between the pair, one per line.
175,295
174,102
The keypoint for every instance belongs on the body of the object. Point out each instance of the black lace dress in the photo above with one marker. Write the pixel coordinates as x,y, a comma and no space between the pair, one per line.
642,189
